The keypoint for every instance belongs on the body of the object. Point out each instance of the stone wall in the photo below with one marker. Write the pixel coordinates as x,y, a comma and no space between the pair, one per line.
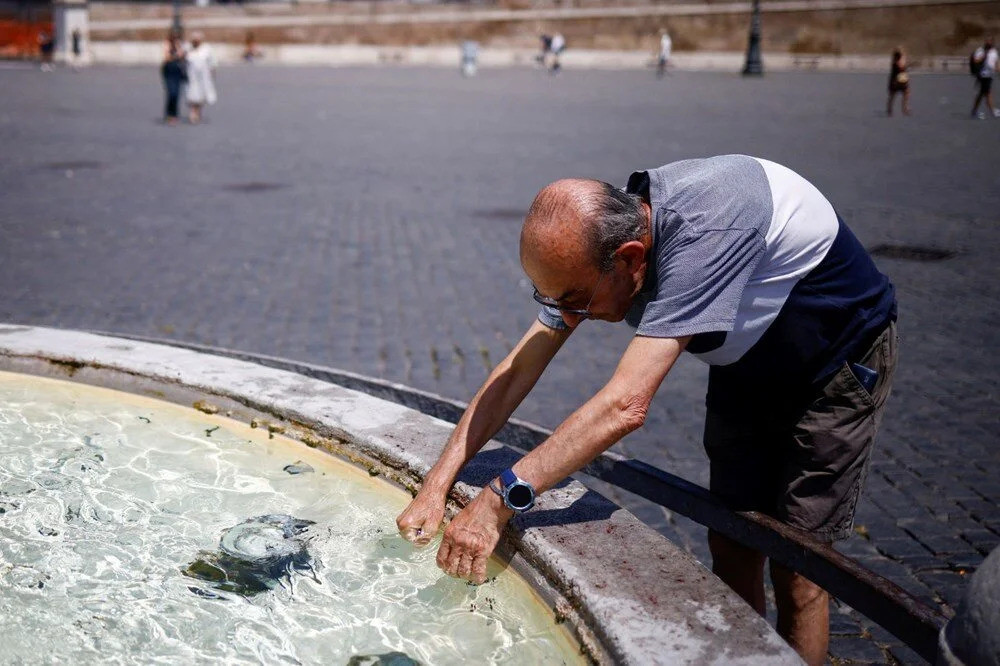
923,29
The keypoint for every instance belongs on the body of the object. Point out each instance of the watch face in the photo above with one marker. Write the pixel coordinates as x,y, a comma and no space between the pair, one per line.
520,496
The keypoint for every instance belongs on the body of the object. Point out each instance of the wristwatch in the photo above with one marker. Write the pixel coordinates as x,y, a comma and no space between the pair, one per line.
518,495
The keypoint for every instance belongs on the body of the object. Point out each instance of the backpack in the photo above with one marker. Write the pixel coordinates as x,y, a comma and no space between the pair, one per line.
976,66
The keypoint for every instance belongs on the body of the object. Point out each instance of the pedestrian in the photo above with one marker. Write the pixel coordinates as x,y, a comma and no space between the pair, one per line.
899,81
200,77
46,47
174,73
77,49
470,57
250,50
558,46
987,64
542,57
746,265
666,45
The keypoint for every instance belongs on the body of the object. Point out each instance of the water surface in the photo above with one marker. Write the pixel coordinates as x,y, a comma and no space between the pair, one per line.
106,498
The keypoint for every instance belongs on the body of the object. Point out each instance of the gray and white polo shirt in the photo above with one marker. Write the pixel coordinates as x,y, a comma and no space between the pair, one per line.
752,260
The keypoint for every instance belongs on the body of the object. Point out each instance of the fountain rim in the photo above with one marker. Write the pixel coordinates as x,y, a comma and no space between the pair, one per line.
628,594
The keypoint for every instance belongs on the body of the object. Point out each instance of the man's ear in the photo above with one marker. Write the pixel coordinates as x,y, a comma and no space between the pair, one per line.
633,253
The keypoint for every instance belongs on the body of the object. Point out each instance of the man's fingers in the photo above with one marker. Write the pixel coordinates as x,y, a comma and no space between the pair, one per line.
478,574
454,560
442,556
464,565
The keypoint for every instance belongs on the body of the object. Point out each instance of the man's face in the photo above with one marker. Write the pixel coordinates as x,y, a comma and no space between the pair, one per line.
581,286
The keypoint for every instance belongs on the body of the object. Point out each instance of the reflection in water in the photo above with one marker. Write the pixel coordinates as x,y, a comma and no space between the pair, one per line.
111,512
255,556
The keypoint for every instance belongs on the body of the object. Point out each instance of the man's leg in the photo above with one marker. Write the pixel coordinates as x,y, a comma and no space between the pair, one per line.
826,465
740,568
803,613
979,97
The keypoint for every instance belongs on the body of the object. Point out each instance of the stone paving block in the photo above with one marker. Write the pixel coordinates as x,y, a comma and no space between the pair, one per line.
927,563
984,541
967,562
950,586
943,544
959,523
981,510
899,548
991,523
845,625
856,650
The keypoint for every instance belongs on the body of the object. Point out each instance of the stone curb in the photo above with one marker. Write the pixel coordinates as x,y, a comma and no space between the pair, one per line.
630,595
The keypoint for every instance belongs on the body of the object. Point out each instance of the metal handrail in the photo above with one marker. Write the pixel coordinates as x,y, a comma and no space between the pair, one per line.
900,613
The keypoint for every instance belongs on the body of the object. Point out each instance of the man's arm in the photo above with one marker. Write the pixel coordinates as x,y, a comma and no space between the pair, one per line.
488,411
616,410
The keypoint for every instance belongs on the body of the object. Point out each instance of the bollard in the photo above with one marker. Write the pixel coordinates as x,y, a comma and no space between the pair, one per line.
972,637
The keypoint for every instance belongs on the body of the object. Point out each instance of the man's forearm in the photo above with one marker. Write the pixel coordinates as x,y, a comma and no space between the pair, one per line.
615,411
495,401
489,410
588,432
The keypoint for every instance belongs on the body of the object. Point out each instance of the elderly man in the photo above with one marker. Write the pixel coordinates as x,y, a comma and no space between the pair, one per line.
744,264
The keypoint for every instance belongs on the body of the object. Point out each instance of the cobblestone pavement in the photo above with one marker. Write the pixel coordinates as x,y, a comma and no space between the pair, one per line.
367,219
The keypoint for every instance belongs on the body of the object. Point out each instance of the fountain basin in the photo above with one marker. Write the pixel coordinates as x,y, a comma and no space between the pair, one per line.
626,594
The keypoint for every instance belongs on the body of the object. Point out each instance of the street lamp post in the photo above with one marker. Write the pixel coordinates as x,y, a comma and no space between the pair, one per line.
754,65
177,28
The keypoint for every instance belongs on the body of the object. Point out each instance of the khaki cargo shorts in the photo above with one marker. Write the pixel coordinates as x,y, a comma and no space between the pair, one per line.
806,473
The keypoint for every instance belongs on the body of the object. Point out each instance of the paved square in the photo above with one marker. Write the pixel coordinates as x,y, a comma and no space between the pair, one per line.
367,219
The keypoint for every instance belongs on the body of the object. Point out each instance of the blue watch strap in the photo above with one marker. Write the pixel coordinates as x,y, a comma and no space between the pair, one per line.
495,488
508,478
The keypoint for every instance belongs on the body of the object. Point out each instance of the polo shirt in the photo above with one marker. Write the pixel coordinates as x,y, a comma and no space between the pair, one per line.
752,261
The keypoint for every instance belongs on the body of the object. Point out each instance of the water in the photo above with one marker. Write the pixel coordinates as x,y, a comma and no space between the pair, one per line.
107,499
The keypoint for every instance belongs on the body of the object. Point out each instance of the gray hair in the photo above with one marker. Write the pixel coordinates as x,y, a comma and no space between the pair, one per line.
615,217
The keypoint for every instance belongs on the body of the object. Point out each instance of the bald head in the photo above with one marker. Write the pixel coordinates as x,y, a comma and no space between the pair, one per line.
556,227
575,224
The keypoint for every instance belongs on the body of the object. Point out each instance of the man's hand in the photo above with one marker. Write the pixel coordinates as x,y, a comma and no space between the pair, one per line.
472,536
421,519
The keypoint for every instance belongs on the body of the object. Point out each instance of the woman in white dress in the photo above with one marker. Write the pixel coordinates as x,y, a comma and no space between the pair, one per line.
201,76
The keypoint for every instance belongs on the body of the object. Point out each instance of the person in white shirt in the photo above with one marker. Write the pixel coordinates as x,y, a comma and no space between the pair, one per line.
201,77
989,63
666,45
558,46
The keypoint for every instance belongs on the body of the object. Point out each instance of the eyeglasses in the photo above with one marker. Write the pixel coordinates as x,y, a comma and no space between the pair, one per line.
552,303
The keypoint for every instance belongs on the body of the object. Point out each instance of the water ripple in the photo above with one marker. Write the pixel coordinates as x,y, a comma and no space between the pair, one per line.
105,499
